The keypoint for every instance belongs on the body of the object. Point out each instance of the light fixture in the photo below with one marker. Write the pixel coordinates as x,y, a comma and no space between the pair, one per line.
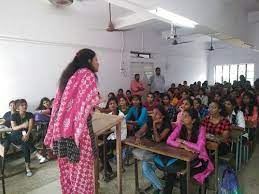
173,18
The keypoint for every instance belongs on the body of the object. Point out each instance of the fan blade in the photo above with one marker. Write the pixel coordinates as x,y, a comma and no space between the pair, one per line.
184,42
122,30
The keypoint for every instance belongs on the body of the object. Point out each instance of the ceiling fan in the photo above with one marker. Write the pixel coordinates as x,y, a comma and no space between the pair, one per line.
110,27
211,45
61,2
173,36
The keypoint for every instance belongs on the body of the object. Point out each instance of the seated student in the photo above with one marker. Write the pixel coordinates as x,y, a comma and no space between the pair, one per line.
191,136
202,110
185,94
176,97
111,94
157,97
22,123
111,143
44,107
103,107
150,104
51,102
248,106
204,98
217,97
7,116
120,94
187,104
123,106
217,124
235,116
158,131
129,97
137,115
169,108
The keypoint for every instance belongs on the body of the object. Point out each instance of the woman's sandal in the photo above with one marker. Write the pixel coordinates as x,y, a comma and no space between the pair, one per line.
28,173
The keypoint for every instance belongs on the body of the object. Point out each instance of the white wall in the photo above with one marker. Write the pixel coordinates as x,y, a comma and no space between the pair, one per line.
186,62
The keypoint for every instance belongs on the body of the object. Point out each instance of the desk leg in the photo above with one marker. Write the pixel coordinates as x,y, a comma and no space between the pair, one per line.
96,170
136,176
188,179
237,156
216,170
240,152
104,157
119,158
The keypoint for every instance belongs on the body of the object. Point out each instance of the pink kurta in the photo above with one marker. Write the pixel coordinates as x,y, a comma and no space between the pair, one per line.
199,147
70,112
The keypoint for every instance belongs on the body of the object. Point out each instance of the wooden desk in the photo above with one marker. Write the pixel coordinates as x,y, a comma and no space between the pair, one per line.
101,124
165,150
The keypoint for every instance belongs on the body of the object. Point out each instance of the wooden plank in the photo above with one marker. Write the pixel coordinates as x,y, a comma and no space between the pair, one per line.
5,129
119,158
103,122
161,148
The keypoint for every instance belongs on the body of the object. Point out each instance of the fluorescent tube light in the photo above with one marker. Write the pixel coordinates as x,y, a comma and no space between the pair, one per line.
173,18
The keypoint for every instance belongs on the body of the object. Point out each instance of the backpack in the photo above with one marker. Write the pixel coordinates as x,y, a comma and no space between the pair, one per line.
41,117
228,183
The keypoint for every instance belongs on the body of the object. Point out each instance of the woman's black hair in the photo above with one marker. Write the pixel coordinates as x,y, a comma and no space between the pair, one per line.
165,95
112,93
128,91
41,106
221,106
127,103
115,100
163,112
81,60
233,102
12,101
141,106
189,100
120,89
195,128
251,104
21,101
198,100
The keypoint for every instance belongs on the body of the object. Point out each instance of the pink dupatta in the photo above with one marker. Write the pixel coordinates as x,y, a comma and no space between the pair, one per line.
72,108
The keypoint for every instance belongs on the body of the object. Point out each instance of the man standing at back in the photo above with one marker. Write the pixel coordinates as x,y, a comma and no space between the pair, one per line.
137,87
157,82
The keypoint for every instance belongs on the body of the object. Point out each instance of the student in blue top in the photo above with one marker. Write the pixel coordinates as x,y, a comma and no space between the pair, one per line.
137,115
202,110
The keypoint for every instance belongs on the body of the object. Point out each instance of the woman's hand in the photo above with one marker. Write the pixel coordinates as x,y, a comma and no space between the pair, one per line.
179,140
25,125
138,141
25,137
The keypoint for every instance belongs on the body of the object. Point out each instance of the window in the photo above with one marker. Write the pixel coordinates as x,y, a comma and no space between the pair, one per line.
231,72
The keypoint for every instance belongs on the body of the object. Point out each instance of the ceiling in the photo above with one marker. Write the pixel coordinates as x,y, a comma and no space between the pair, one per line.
250,5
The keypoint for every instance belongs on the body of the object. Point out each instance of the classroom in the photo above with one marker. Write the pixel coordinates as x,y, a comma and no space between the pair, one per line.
129,96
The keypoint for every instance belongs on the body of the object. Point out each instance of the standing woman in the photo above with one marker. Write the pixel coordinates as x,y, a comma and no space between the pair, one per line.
70,131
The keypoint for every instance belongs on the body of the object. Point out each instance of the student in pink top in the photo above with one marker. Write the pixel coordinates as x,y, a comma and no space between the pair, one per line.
186,105
137,87
191,136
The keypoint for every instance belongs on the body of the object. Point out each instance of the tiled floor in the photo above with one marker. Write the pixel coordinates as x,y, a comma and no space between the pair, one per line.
45,179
